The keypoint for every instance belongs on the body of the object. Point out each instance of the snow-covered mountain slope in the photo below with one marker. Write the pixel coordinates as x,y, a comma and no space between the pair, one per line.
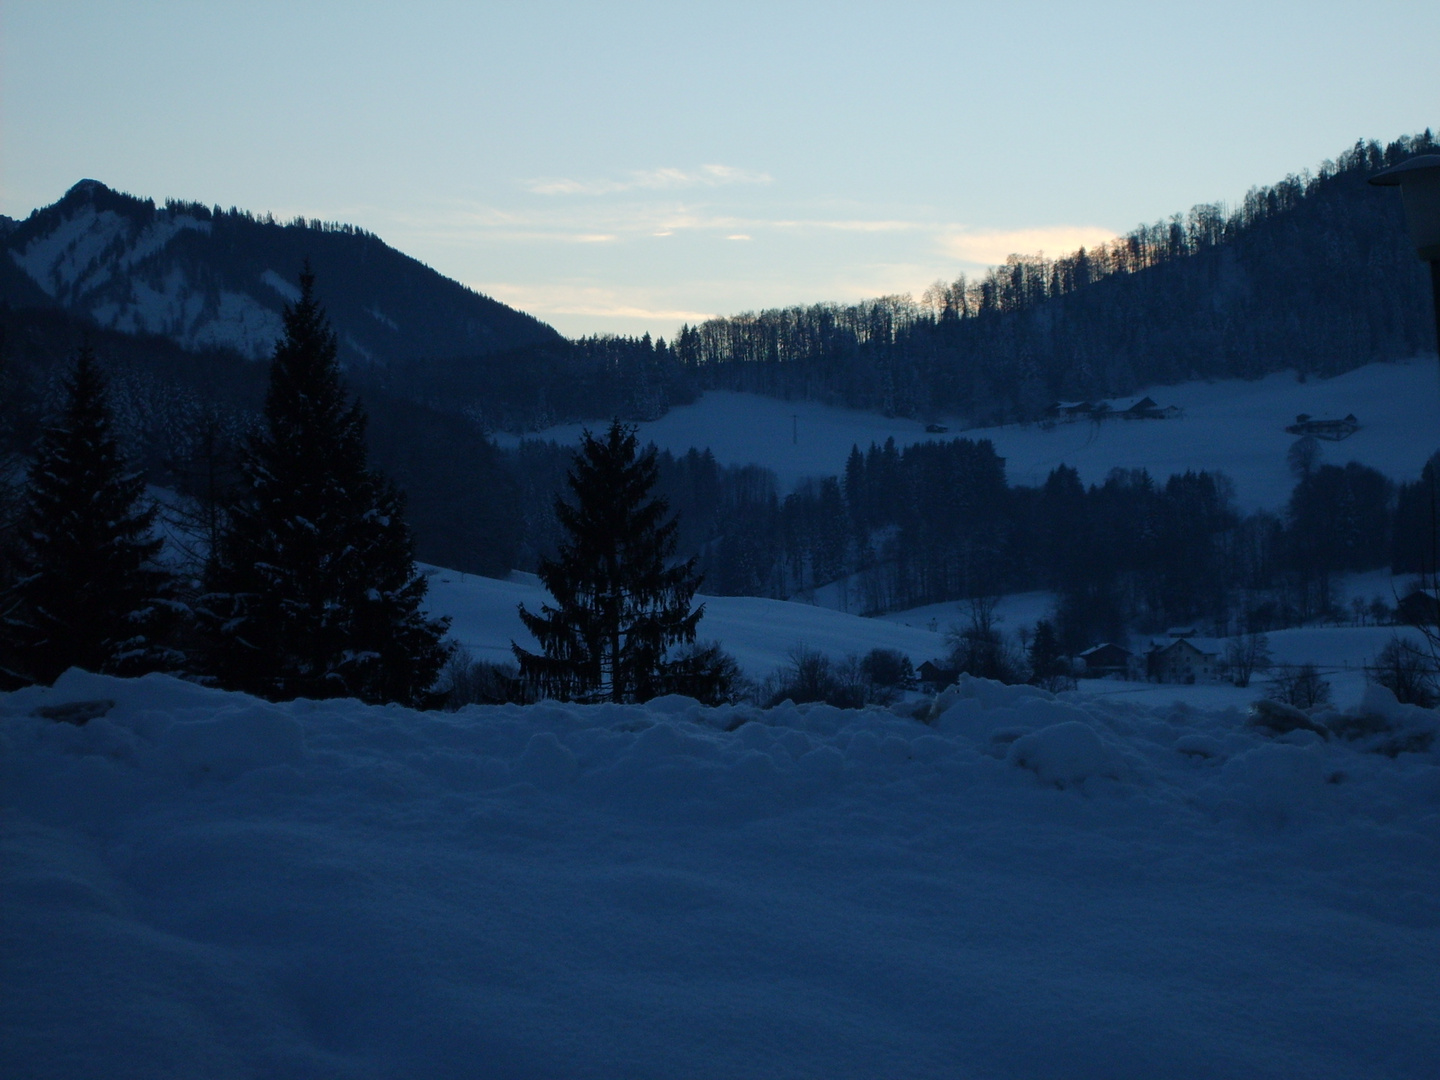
202,884
207,279
1234,426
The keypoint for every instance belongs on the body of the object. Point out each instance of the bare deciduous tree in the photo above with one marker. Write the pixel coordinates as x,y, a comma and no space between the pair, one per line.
1247,654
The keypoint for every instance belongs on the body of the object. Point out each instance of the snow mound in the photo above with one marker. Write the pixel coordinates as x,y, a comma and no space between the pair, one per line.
197,883
231,742
1065,754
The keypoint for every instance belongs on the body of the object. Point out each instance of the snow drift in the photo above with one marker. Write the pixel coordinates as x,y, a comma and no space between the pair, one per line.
1003,884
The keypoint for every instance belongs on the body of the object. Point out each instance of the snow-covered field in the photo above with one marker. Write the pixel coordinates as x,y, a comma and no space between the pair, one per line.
1234,426
761,634
1125,881
199,884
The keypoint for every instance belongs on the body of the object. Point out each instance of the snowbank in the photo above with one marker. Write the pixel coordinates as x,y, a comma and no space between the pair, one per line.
1017,885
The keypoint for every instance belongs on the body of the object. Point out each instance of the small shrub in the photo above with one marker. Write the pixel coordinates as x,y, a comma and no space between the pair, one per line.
807,678
978,648
813,676
1279,718
1049,669
1300,686
888,669
852,689
467,681
1246,655
709,674
885,674
1403,669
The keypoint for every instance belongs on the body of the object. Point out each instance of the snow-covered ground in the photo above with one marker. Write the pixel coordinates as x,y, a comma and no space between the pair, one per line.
759,633
202,884
1233,426
1127,880
1341,653
796,439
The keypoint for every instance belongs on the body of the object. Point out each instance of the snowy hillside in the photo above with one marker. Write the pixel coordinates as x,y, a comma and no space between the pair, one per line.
207,279
93,251
1234,426
202,884
759,633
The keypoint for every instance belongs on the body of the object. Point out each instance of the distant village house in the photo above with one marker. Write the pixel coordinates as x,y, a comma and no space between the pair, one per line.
1107,659
1070,410
1133,408
1334,430
1183,657
1419,607
933,677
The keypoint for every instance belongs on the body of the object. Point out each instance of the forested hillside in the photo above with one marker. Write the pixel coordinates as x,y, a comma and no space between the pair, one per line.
937,521
1314,274
182,415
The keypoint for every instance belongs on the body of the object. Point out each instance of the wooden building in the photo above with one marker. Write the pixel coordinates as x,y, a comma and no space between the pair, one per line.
1106,659
1184,660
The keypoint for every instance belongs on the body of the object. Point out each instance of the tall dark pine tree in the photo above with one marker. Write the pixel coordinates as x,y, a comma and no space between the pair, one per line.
618,608
87,590
312,590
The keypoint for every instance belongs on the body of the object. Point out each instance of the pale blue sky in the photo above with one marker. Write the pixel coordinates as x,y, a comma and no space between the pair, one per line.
624,167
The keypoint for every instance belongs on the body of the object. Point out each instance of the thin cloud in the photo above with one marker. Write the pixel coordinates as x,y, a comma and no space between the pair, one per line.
877,226
992,247
587,300
667,179
584,222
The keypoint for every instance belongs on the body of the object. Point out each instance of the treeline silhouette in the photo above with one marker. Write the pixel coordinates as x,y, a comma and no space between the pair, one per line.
181,417
937,521
1313,274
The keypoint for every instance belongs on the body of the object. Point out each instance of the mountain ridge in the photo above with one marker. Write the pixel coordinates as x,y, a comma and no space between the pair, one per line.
206,277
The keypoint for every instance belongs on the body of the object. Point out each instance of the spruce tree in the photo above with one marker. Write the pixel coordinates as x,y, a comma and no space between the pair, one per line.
312,589
87,591
619,609
1047,662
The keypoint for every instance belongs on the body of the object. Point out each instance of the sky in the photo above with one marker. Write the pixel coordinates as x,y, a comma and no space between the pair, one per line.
624,168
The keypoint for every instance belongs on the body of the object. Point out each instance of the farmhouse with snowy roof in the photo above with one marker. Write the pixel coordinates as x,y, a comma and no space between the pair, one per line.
1070,410
1334,430
1128,408
933,677
1419,607
1181,657
1106,659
